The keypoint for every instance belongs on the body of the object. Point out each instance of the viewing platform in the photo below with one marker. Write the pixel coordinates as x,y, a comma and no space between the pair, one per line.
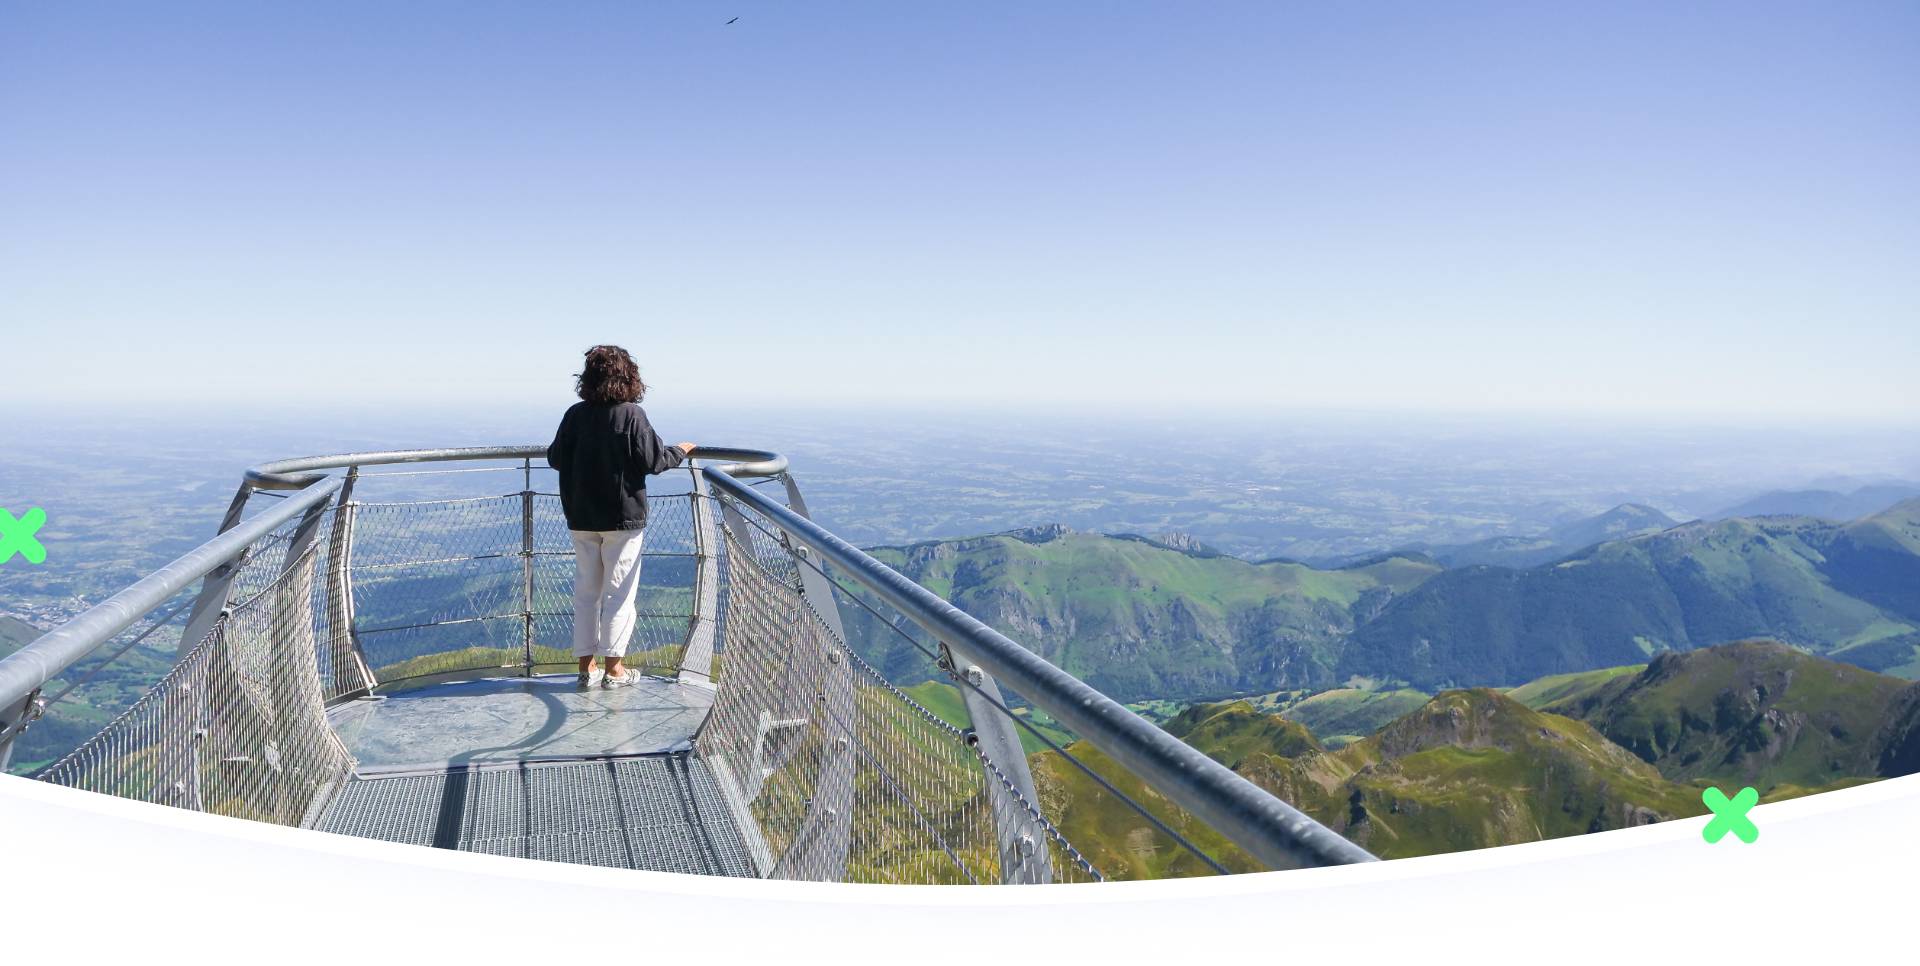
372,654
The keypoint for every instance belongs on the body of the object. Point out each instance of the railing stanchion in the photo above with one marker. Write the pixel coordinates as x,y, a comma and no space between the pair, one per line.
1023,852
346,659
526,569
696,656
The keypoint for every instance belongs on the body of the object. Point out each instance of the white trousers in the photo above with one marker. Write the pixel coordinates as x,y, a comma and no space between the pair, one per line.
606,578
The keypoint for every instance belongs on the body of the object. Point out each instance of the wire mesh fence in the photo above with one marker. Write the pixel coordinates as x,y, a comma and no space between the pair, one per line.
485,584
89,694
238,727
839,775
1077,796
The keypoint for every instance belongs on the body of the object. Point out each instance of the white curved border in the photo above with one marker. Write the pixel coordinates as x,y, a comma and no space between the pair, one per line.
116,879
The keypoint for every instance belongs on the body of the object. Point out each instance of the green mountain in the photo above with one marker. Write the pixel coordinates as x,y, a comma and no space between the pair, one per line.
1472,769
1753,713
1142,619
1826,504
1625,520
1341,715
1877,559
1231,731
1467,769
1164,618
1846,590
1597,750
1557,688
1897,745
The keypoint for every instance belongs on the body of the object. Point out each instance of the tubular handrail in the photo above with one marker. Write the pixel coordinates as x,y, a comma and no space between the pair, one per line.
295,474
54,652
25,670
1274,832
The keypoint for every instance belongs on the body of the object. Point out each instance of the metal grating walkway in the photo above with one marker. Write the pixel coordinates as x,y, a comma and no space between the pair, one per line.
662,813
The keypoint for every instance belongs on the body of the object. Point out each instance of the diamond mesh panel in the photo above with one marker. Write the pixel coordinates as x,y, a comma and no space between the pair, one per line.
442,586
237,728
265,561
396,534
835,774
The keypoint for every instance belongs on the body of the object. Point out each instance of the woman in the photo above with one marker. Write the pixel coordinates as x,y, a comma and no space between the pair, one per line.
605,450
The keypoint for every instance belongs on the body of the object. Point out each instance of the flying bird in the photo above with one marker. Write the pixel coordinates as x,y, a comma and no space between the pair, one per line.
733,21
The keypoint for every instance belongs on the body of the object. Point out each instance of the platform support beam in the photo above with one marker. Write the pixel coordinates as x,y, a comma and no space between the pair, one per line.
217,584
347,661
696,661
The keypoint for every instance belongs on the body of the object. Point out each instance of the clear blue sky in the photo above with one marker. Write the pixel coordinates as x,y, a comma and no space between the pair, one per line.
1599,208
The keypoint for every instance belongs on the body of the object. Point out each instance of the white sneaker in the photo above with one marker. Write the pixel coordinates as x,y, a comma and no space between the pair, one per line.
627,677
587,679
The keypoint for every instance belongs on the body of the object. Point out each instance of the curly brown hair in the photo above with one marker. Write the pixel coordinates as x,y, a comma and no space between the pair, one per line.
610,377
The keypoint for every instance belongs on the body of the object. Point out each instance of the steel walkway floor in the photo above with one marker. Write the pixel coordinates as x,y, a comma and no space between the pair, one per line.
662,812
517,719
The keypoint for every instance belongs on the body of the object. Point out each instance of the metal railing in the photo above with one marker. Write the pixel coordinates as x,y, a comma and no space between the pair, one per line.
495,573
24,672
838,774
1276,833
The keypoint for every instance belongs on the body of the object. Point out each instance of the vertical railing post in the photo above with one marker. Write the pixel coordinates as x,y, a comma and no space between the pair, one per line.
218,582
346,660
526,568
1023,844
696,658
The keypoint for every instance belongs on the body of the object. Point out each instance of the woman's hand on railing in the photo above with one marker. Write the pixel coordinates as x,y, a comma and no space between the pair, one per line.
687,448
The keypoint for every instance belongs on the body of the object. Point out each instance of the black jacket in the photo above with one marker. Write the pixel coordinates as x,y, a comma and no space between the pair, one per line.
604,454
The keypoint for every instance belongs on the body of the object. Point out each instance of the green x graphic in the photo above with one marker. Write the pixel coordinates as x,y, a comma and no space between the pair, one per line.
16,535
1730,814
